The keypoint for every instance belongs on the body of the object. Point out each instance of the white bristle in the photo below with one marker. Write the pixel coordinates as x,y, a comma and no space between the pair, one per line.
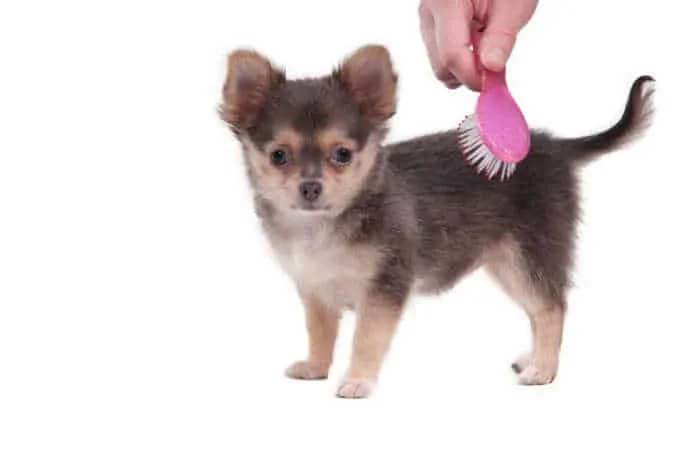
478,155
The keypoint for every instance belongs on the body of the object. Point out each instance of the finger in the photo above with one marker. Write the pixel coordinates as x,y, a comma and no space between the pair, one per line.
441,72
506,18
452,39
452,83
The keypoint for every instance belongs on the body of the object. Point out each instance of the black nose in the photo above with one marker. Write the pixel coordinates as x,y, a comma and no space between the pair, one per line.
310,190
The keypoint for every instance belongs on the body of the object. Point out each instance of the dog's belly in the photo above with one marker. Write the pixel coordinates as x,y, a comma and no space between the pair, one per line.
434,278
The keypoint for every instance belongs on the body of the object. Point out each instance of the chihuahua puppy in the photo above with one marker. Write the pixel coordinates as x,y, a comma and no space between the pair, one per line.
361,225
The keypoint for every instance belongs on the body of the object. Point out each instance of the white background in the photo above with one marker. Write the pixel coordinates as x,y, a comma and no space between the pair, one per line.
143,321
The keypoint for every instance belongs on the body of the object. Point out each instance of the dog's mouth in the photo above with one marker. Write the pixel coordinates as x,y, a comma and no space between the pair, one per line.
311,208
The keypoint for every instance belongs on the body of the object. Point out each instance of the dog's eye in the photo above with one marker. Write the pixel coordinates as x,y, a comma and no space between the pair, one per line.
341,156
279,157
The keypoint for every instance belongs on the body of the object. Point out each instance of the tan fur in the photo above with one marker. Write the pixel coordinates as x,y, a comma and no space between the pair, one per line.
376,325
274,183
504,263
334,137
369,76
342,184
286,138
250,76
322,326
546,317
547,329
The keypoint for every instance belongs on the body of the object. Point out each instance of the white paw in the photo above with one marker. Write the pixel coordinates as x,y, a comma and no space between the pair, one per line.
355,389
521,363
306,370
532,374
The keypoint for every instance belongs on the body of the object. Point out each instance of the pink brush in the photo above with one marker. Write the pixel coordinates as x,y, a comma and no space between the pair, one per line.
496,137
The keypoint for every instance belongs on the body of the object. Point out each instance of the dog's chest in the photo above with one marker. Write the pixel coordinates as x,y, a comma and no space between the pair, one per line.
323,264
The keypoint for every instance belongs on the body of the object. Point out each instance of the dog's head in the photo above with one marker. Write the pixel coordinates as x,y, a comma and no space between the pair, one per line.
310,144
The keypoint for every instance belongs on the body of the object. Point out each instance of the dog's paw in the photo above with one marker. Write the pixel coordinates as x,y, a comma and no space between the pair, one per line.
522,362
306,370
534,373
355,389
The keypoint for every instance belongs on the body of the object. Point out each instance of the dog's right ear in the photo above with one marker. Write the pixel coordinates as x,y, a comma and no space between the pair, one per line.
369,77
249,80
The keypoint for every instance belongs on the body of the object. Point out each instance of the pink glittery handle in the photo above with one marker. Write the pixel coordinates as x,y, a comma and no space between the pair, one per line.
502,126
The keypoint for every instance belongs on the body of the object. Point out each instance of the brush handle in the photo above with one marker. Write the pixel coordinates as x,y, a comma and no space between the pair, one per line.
501,125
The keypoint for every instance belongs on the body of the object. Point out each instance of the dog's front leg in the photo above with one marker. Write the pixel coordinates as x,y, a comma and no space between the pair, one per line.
322,325
377,320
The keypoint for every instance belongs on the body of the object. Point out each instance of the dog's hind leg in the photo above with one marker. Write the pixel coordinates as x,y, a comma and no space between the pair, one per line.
528,284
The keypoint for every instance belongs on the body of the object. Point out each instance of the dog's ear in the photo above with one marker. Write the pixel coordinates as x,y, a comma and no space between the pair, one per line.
249,80
368,76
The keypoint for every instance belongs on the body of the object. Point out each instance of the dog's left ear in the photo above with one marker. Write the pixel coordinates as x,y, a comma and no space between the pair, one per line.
249,81
368,76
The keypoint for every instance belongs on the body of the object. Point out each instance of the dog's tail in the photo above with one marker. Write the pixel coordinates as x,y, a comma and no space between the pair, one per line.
636,118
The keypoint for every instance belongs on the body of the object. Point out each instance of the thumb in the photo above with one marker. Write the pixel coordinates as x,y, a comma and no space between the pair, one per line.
506,18
497,44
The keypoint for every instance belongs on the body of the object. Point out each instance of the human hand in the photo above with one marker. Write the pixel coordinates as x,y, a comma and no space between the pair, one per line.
447,25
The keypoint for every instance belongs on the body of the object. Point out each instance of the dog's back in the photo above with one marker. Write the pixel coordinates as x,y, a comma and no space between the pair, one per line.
464,216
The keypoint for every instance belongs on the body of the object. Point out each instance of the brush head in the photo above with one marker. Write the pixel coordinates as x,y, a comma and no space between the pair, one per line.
496,137
477,153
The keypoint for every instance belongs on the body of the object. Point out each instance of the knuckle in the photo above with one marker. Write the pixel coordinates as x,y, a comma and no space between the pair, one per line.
444,75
